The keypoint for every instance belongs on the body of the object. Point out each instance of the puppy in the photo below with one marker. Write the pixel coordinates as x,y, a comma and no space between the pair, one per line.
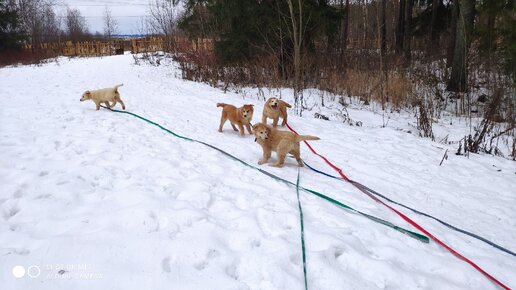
104,96
282,142
273,109
237,116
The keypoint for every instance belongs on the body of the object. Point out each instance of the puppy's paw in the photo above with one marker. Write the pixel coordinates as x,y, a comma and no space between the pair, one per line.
276,165
260,162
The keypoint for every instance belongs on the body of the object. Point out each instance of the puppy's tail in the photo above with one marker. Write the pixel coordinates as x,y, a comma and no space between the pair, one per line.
221,105
287,104
117,86
300,138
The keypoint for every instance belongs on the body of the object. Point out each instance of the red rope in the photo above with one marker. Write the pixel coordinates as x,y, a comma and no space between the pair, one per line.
406,218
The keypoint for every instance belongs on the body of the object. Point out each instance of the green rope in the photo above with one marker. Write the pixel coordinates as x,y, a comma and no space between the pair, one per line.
302,227
412,234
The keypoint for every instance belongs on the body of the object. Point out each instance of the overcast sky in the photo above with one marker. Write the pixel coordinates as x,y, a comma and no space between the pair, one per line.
128,13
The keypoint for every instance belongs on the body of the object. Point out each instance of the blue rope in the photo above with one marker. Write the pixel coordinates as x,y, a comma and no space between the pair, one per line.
417,211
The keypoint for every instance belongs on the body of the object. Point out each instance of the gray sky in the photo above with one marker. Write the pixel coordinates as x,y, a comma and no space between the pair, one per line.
128,13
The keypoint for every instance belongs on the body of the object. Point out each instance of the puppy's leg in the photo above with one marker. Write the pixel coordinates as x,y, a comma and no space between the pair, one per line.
241,129
266,156
281,158
248,126
222,121
121,103
98,105
297,154
234,128
281,152
275,122
264,119
107,104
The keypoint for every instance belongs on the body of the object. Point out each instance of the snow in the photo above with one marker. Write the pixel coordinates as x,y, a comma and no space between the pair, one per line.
100,200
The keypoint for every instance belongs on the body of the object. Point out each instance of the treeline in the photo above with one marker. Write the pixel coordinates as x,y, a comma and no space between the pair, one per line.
35,21
308,42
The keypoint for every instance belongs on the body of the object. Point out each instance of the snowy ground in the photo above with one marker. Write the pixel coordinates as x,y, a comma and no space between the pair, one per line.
99,200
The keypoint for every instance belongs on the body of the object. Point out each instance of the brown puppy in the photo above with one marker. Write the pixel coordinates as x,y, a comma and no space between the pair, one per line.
273,109
237,116
104,96
282,142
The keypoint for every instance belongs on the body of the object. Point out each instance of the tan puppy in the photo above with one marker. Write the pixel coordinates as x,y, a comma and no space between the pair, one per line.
237,116
104,96
273,109
282,142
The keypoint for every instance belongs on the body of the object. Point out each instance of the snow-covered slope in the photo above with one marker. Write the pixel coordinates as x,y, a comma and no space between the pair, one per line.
100,200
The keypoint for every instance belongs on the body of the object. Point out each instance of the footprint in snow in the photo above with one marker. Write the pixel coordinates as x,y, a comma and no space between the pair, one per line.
212,253
256,243
338,252
22,252
17,194
295,259
11,212
165,264
232,271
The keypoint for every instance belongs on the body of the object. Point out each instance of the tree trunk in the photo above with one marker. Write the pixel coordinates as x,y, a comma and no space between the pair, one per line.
407,30
383,29
344,24
297,34
400,27
433,24
364,29
465,21
453,32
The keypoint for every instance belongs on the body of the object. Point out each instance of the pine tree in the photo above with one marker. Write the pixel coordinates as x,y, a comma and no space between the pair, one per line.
12,34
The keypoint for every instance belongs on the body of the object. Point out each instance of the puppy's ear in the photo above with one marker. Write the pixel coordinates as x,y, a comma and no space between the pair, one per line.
87,93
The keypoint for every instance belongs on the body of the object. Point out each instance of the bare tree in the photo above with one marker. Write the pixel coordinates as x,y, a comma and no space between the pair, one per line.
38,20
296,32
75,25
453,29
383,28
433,24
407,31
163,19
400,26
110,24
463,35
344,27
162,16
49,24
